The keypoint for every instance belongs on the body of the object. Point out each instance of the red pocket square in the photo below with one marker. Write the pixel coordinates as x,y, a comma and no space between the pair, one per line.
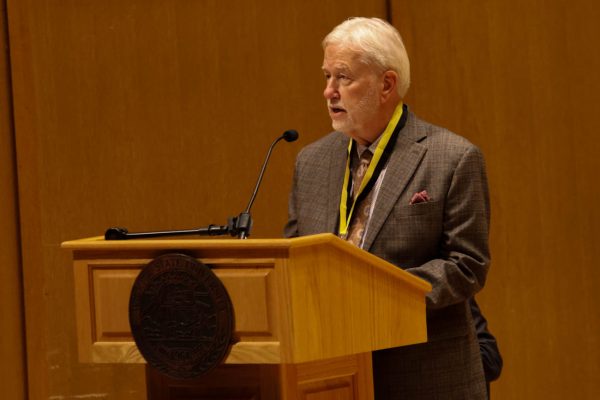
420,197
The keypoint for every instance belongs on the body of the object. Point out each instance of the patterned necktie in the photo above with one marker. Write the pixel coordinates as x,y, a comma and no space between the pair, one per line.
360,215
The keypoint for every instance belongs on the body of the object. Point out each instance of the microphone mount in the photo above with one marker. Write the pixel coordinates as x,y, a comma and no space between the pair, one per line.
118,233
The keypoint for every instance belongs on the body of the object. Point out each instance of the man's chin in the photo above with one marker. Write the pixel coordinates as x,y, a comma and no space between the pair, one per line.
340,126
348,130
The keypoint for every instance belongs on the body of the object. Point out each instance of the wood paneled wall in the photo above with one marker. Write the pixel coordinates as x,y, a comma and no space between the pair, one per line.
12,340
520,79
150,115
157,114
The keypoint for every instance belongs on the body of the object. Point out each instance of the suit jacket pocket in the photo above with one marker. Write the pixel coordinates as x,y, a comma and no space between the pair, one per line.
418,208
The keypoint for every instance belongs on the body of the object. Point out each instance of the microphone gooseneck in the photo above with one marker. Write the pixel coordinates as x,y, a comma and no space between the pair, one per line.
243,223
289,136
236,226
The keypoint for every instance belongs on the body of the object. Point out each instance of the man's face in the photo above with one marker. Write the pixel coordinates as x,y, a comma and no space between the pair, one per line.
351,91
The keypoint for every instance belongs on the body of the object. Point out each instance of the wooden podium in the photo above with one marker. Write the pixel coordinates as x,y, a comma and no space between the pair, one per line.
308,311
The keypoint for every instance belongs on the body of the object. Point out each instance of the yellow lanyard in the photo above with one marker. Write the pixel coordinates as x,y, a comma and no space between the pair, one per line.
346,216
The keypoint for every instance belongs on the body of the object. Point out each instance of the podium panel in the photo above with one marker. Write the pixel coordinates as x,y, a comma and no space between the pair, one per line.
103,287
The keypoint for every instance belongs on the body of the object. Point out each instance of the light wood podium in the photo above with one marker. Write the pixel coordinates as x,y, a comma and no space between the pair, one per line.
308,311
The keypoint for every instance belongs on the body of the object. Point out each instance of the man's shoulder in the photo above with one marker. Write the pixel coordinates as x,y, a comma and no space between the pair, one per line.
439,141
323,146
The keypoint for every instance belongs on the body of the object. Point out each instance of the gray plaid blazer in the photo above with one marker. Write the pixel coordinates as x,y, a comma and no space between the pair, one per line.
444,241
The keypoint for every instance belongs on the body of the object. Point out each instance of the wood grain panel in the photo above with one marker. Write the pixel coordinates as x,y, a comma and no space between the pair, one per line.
250,382
151,115
347,305
111,291
12,345
250,291
520,80
333,368
316,301
343,378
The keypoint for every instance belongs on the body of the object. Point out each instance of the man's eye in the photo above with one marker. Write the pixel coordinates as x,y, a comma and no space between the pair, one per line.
343,78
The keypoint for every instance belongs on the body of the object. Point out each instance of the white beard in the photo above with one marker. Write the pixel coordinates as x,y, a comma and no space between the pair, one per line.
358,114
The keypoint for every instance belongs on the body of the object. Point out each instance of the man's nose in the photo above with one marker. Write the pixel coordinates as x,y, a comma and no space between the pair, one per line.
331,92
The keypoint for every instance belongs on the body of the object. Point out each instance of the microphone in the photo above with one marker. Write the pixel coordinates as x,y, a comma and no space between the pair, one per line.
244,221
236,226
290,135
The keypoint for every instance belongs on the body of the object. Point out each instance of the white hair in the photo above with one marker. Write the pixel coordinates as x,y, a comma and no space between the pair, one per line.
378,43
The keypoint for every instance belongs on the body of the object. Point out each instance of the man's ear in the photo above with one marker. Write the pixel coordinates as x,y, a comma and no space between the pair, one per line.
390,82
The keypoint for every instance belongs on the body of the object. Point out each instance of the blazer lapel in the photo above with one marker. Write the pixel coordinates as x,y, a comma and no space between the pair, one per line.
337,168
401,166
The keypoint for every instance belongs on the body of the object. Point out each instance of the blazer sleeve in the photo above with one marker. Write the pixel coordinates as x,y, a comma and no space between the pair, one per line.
461,269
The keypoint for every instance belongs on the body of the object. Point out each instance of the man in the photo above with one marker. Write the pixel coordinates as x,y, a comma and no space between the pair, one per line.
409,192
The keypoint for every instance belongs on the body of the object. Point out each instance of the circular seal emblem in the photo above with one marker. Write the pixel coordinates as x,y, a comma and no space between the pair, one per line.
181,316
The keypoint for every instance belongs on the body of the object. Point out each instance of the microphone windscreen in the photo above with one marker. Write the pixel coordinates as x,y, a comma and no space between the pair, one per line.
290,135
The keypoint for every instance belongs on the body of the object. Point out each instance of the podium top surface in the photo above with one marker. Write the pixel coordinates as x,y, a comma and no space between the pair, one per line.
98,242
268,247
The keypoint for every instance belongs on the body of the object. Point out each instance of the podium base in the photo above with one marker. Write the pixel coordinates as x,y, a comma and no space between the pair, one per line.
343,378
